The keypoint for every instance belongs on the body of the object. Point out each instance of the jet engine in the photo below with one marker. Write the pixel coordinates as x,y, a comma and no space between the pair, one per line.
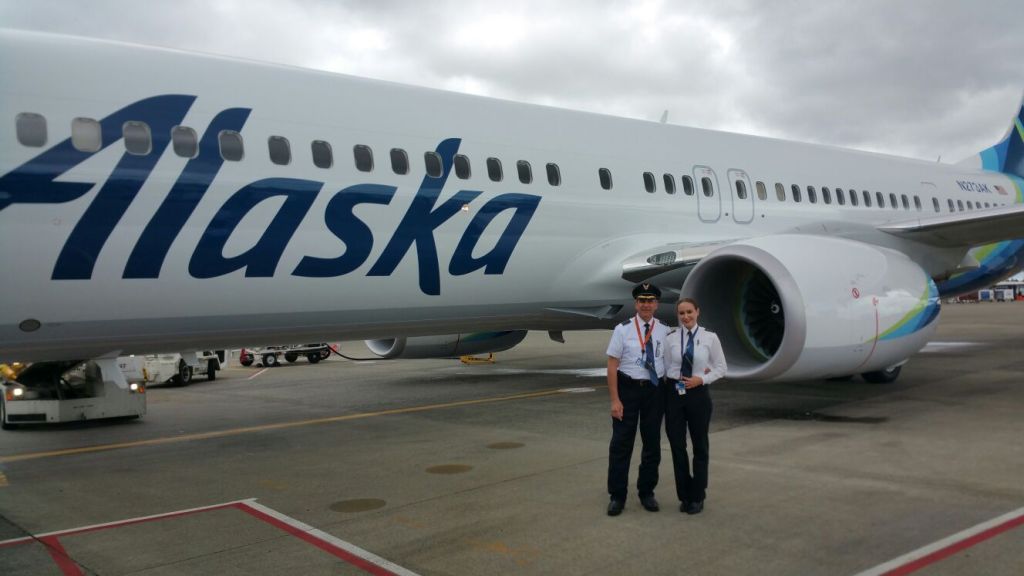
446,346
797,306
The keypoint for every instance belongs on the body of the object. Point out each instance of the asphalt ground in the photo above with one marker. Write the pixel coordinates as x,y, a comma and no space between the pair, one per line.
438,467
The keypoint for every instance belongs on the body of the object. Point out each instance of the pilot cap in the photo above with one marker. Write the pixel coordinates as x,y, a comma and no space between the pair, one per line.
646,290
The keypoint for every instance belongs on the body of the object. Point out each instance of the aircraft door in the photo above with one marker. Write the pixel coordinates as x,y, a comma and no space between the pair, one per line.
709,199
742,196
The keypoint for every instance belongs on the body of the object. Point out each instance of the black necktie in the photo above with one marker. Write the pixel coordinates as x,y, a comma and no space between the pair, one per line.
687,368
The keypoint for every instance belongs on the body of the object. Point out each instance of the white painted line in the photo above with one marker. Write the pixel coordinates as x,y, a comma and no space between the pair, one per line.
257,374
576,390
933,347
914,561
352,549
105,525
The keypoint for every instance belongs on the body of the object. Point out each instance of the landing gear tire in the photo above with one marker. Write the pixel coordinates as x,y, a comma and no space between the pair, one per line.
882,376
313,357
184,375
269,360
211,370
291,356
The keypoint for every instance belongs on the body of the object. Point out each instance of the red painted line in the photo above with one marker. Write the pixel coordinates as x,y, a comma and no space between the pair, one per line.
956,547
352,559
60,556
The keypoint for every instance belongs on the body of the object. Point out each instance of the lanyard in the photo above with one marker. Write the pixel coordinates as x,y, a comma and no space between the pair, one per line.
643,341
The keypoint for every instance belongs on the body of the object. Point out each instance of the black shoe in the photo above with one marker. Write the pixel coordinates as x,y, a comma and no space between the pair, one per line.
683,506
615,507
694,507
649,503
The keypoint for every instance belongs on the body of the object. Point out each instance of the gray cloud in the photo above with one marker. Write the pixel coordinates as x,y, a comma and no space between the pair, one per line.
915,77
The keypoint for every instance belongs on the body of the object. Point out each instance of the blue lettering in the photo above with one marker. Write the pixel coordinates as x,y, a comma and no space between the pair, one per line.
356,235
420,221
149,253
261,260
493,262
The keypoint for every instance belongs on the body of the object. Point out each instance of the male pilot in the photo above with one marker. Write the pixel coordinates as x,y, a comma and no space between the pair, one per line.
635,368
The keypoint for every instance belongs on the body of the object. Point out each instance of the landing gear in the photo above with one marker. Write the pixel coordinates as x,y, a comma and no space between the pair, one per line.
882,376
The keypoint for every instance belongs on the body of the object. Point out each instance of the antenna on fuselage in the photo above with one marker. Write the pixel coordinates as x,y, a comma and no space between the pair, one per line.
664,117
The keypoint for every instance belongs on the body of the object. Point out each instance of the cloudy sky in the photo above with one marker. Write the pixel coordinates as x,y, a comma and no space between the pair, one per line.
914,78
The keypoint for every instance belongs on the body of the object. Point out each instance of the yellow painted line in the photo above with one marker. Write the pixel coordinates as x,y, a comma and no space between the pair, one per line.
3,480
279,426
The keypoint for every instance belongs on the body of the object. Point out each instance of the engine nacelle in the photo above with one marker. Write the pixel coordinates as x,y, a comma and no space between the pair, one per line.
446,346
798,306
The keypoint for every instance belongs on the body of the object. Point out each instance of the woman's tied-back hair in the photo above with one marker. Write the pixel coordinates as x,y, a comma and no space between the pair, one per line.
690,300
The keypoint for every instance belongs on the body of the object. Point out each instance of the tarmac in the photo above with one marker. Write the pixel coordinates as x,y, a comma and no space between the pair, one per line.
440,467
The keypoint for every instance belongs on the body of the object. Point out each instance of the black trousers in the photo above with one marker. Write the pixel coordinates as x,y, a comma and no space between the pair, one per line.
689,412
641,408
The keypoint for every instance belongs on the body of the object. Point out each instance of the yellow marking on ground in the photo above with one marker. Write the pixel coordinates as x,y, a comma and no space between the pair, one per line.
3,480
265,427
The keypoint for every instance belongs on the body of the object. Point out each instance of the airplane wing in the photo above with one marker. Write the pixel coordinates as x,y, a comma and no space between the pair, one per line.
650,263
963,228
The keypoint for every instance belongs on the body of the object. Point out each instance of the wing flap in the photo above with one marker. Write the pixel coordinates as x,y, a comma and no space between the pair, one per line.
963,228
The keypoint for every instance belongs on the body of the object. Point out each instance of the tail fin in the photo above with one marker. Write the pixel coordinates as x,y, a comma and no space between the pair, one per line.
1008,155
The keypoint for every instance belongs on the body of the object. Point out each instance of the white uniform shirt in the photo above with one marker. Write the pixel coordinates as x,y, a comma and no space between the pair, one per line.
708,358
628,348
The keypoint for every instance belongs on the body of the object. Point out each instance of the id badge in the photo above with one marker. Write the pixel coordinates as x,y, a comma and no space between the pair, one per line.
681,388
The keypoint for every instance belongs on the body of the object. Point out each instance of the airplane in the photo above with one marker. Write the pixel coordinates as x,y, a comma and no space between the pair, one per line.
155,200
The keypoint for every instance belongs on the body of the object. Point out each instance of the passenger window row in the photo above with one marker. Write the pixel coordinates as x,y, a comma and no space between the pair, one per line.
86,136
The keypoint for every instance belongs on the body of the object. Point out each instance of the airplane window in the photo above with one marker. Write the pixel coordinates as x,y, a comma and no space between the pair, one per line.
670,183
826,196
31,128
494,169
951,208
399,161
231,147
960,205
853,197
707,187
970,205
280,150
462,167
917,203
935,204
812,196
364,157
762,192
780,192
741,190
840,198
606,178
323,156
687,185
525,171
435,167
796,192
85,135
881,199
137,139
649,184
893,201
184,141
554,175
867,198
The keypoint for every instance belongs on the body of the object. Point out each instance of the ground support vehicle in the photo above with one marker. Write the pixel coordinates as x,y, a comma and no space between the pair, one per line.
271,355
178,369
68,391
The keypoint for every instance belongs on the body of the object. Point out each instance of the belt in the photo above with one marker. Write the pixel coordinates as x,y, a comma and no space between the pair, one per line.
623,377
